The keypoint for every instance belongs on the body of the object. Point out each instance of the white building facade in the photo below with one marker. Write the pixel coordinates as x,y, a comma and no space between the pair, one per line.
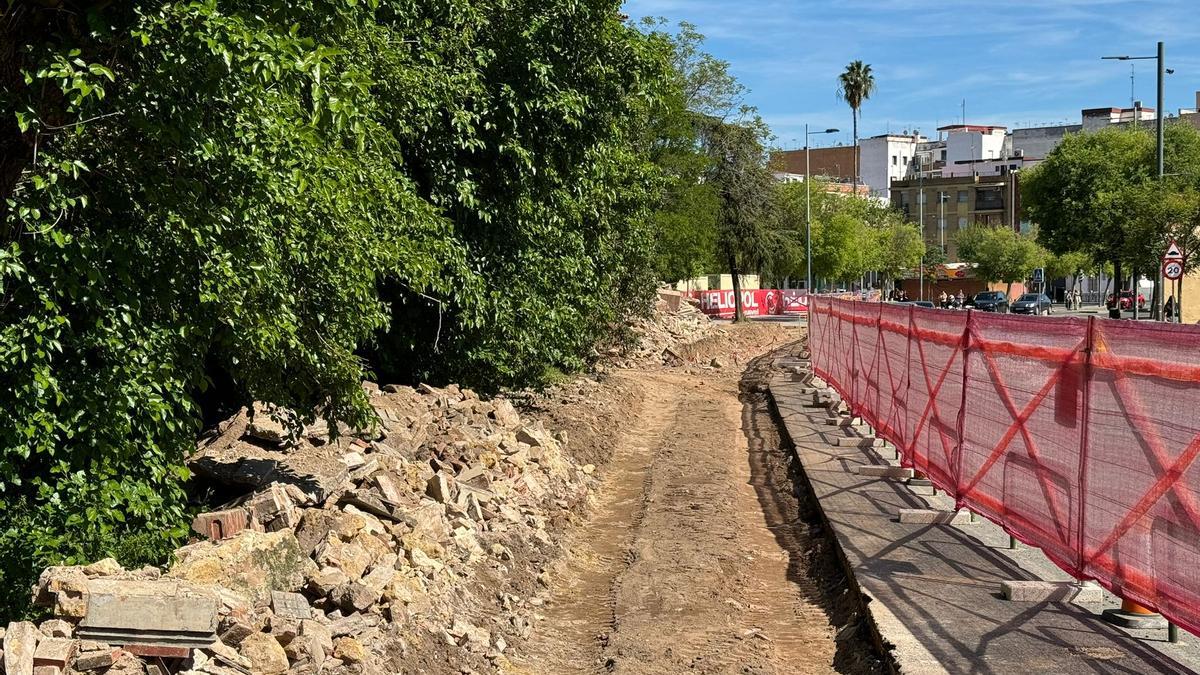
885,158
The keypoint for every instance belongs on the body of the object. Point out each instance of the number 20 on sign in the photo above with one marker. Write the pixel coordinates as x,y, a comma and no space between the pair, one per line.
1173,270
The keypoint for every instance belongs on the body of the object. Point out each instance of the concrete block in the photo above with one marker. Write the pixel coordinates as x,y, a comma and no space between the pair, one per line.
218,525
933,517
921,486
1134,621
164,612
883,471
1051,591
20,642
55,652
854,442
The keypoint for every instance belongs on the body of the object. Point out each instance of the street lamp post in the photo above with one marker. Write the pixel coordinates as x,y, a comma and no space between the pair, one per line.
1158,129
808,205
942,220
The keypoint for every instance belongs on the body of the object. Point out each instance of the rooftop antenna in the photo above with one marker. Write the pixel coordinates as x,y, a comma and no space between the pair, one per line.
1131,94
964,112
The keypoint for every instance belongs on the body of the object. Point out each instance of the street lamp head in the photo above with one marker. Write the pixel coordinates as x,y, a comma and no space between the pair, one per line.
832,131
1114,58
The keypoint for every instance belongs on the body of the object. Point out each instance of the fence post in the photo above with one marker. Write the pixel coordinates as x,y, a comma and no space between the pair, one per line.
1084,421
960,422
908,386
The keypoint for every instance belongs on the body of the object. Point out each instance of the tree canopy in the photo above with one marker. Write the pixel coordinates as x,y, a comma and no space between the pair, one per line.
204,204
999,253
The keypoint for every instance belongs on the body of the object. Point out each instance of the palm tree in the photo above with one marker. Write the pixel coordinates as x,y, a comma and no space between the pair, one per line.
855,86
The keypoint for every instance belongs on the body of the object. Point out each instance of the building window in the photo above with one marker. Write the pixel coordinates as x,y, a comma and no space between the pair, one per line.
962,196
943,155
962,222
893,160
988,199
921,197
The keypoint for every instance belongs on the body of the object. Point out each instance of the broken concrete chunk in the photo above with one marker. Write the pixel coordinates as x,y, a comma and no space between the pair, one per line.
236,632
267,423
218,525
103,568
64,589
164,613
93,660
20,643
290,605
504,413
349,650
56,652
323,582
57,628
355,597
351,557
388,487
253,563
265,654
438,488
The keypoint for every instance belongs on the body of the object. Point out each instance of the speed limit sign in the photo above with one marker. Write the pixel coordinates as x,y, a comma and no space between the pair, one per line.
1173,270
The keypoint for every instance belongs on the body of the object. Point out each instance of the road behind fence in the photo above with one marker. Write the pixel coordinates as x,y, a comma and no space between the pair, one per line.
1077,436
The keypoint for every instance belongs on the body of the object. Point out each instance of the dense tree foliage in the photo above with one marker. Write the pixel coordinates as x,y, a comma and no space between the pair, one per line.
851,236
1099,194
1000,253
204,204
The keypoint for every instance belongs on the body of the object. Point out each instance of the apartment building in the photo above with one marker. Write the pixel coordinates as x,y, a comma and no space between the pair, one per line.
945,206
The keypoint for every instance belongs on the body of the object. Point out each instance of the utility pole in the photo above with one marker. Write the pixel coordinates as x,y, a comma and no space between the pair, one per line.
921,218
808,205
942,220
1160,57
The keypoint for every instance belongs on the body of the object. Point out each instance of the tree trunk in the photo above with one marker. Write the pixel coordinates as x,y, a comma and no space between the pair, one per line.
739,315
854,179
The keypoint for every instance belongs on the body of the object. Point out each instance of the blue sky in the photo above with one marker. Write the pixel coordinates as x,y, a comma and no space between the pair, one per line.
1016,62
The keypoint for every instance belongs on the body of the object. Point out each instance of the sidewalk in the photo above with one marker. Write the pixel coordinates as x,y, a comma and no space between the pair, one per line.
933,591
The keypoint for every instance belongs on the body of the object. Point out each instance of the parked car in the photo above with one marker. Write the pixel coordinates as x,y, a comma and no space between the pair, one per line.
1127,300
1032,303
991,301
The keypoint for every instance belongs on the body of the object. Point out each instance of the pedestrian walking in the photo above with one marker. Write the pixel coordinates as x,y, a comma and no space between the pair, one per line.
1169,309
943,300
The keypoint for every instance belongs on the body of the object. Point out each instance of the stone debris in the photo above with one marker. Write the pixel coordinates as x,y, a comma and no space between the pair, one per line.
674,321
343,552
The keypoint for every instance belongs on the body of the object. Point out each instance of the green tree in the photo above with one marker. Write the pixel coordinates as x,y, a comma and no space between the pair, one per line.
745,238
1000,253
205,204
698,88
900,249
856,84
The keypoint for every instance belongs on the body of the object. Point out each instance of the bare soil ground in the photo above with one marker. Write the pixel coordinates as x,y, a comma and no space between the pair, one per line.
697,555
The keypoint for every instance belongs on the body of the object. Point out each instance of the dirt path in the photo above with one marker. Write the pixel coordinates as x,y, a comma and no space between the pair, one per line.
692,561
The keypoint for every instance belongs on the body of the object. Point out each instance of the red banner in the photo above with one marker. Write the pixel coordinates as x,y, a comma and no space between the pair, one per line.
719,304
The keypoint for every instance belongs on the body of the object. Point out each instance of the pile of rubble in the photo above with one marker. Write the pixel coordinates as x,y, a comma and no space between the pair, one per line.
341,555
674,321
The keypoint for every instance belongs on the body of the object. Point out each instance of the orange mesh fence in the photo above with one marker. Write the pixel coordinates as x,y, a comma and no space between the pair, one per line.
1079,437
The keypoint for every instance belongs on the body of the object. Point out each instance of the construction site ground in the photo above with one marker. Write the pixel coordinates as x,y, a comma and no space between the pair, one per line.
933,592
697,556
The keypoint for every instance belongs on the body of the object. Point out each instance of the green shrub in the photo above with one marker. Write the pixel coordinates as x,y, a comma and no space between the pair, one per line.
220,203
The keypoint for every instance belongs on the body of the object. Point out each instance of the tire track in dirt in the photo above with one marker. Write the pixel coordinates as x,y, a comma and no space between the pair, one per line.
698,558
571,637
